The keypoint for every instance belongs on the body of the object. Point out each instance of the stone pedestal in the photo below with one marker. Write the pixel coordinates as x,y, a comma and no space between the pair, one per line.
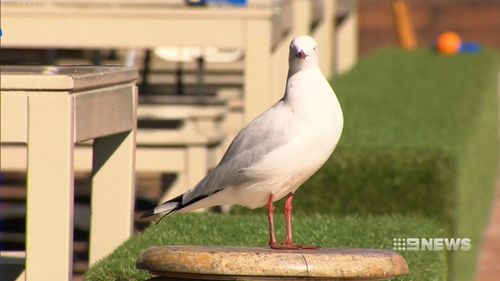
238,263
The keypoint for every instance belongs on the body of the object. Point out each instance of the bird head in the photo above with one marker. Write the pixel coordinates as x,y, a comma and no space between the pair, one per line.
303,53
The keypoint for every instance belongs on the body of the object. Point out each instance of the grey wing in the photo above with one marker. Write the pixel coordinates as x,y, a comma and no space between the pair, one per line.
270,130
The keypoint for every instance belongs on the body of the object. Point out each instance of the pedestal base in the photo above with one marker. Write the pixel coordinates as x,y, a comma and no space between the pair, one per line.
238,263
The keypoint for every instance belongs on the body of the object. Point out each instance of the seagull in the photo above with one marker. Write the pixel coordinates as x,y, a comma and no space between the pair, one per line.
273,155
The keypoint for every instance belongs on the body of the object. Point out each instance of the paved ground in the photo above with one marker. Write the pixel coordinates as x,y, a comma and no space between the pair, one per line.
489,259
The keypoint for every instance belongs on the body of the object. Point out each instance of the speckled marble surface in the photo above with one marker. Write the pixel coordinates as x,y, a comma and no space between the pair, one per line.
246,263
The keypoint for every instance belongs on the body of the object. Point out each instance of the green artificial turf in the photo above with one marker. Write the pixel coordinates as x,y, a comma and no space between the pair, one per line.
251,230
415,99
430,104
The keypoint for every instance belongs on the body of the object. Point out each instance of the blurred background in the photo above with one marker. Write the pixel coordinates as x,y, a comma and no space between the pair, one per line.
198,97
474,20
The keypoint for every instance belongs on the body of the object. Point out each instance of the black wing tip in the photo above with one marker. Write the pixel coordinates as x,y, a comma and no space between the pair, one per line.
151,212
179,206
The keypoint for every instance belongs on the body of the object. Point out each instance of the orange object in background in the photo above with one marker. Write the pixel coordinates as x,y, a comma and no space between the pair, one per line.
448,43
404,25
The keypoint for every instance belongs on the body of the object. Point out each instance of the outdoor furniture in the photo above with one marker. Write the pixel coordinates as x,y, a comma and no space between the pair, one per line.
177,134
181,55
50,109
346,34
191,149
183,135
12,265
187,153
258,30
234,117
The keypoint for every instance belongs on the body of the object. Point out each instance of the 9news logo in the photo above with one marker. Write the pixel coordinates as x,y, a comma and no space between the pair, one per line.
431,244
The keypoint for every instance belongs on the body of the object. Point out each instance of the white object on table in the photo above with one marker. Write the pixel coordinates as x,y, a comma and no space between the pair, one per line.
190,54
182,55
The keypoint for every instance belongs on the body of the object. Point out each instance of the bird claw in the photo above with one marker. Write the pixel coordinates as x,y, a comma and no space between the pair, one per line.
291,246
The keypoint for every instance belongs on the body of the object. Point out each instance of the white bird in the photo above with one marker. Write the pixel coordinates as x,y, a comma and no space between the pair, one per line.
277,151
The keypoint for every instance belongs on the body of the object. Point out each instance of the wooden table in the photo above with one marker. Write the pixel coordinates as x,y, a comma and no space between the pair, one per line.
258,29
50,109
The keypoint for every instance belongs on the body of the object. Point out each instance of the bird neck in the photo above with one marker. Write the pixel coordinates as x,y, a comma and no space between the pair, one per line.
296,65
296,86
310,96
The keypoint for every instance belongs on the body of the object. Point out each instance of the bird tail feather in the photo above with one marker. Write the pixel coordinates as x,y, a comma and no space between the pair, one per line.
167,207
174,205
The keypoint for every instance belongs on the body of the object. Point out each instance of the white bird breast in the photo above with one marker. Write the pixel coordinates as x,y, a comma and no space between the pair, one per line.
317,124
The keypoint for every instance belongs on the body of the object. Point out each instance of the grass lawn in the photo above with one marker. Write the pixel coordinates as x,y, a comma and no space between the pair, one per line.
251,230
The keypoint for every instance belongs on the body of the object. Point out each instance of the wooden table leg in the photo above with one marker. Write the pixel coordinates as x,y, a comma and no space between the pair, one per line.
113,183
49,223
346,40
324,35
257,73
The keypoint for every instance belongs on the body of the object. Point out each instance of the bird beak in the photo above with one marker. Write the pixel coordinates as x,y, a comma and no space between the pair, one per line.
301,54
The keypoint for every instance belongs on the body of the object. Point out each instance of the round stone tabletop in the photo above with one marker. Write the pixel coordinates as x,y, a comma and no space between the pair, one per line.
239,263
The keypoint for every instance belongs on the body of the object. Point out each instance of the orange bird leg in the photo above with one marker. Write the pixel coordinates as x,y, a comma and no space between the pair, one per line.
270,218
288,219
289,245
